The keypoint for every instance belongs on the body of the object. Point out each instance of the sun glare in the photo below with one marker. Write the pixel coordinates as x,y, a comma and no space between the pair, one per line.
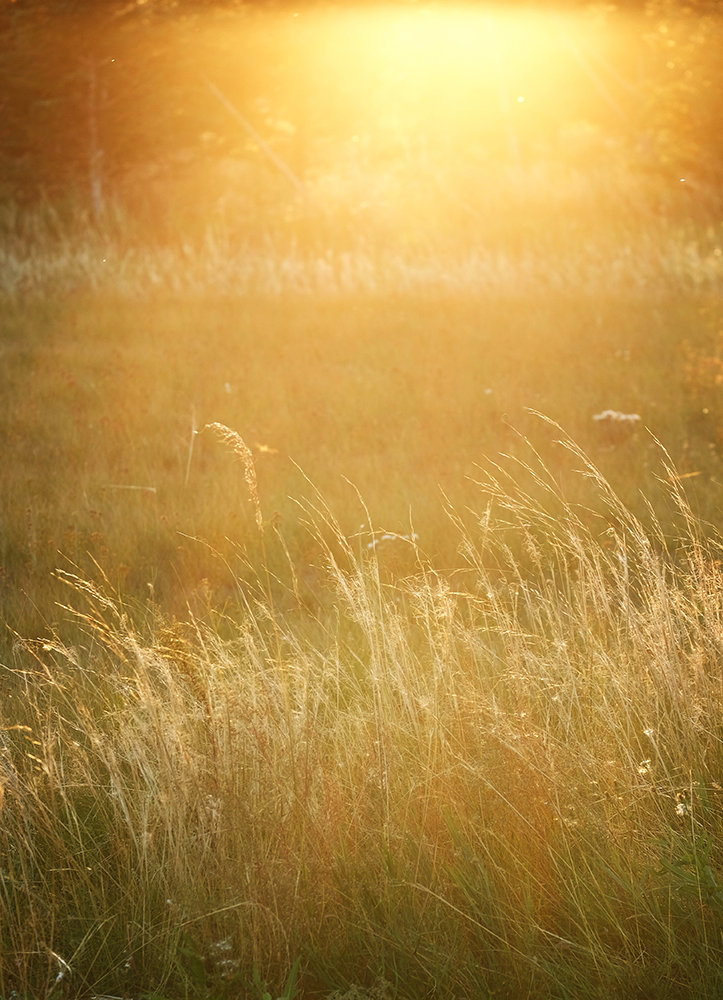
453,64
489,81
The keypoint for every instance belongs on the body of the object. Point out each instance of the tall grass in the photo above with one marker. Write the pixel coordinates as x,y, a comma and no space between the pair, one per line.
399,394
410,228
461,739
501,779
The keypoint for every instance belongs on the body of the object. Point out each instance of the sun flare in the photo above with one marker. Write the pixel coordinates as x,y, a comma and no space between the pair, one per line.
487,80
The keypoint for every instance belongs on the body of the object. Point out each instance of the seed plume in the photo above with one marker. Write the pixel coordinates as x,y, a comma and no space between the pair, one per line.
242,450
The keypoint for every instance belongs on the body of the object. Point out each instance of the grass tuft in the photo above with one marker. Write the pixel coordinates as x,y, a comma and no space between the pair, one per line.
502,779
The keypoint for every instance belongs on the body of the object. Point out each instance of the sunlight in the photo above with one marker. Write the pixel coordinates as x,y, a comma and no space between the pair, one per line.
447,85
417,117
360,550
446,74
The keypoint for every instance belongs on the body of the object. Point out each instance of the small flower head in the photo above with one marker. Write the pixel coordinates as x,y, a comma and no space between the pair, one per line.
616,426
682,807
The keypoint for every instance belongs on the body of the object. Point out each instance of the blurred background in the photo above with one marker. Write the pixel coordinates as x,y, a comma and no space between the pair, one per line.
333,123
370,238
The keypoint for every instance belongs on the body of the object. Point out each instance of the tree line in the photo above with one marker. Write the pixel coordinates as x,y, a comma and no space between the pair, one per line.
97,99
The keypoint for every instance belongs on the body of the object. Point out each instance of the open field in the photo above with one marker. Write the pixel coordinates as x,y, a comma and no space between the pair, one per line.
354,648
485,761
400,395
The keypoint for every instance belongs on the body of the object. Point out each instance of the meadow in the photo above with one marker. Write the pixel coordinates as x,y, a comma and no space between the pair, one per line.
361,578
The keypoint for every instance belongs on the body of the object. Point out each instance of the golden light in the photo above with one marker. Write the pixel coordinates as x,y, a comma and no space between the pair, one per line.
486,81
398,119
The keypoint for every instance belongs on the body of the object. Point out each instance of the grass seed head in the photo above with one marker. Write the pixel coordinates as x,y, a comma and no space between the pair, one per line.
237,443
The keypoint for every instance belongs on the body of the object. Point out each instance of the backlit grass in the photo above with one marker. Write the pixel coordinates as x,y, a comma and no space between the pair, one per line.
360,557
459,737
498,781
400,396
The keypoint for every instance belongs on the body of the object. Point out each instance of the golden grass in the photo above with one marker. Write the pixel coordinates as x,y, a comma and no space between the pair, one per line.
468,747
242,450
525,230
461,781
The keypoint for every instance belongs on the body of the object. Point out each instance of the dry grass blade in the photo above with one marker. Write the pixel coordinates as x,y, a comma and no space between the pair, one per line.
237,443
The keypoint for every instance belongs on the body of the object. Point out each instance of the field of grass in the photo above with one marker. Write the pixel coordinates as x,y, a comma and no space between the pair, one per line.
350,650
480,757
397,397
